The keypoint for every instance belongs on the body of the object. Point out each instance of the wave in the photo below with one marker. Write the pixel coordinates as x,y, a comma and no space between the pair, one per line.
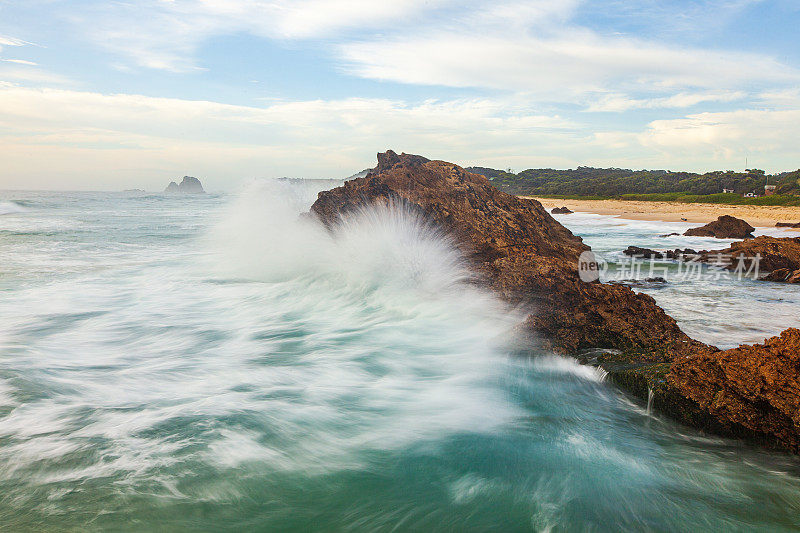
411,348
7,208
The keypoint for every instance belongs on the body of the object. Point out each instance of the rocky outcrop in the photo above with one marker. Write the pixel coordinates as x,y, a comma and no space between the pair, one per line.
749,391
783,275
774,253
520,251
647,253
189,184
517,249
787,225
561,211
725,227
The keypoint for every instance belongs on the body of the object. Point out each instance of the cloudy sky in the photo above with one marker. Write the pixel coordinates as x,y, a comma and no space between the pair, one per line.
107,94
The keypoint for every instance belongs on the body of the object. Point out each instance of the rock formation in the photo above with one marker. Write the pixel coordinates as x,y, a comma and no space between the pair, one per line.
187,185
774,253
749,391
787,225
725,227
783,275
647,253
520,251
561,211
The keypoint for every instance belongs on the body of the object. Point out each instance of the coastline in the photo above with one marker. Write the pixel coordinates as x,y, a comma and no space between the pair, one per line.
756,215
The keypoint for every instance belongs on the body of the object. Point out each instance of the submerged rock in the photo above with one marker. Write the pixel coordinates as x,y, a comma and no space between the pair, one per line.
561,211
189,184
725,227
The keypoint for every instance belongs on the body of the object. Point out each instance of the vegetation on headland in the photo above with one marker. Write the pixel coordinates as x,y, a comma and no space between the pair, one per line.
719,198
590,183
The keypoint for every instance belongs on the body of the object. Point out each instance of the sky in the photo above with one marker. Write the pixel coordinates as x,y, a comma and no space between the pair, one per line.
113,94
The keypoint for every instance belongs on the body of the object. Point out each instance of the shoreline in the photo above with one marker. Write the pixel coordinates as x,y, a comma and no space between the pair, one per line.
756,215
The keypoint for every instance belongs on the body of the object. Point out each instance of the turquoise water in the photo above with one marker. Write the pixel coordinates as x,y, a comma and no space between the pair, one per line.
218,363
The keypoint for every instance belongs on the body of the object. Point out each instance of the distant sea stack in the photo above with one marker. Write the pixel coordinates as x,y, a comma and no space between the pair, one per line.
189,185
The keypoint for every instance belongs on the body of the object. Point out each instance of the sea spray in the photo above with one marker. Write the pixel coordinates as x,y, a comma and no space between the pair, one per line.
428,356
152,380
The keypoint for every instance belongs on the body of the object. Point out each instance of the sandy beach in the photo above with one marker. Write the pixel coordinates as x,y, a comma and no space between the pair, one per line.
756,215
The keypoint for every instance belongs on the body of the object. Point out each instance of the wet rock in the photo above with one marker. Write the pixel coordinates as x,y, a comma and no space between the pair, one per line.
561,211
519,250
669,235
774,253
783,275
751,391
189,184
529,259
647,253
642,283
787,225
725,227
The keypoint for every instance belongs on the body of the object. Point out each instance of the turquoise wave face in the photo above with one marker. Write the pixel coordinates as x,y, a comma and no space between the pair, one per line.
222,363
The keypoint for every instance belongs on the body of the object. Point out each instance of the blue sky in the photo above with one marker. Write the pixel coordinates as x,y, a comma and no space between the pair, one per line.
120,94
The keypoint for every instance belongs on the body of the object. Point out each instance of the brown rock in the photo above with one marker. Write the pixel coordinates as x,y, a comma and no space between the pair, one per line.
787,225
725,227
561,211
520,251
775,253
783,275
528,258
751,391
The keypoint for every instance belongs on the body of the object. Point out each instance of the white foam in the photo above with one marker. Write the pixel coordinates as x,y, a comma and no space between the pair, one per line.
7,208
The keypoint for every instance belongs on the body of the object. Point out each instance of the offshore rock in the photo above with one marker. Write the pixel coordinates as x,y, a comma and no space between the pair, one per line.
520,251
647,253
561,211
189,184
725,227
783,275
774,253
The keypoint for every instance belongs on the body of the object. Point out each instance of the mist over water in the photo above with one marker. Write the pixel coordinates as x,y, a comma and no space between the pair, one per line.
225,363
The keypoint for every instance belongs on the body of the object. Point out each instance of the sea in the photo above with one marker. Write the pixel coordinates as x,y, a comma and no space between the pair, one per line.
220,362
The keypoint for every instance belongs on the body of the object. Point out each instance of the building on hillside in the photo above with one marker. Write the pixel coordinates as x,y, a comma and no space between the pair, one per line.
728,191
769,190
751,195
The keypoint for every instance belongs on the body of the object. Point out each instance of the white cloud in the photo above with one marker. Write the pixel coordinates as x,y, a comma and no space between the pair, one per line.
744,130
53,138
11,41
20,62
571,62
781,98
165,35
10,71
92,139
618,102
708,141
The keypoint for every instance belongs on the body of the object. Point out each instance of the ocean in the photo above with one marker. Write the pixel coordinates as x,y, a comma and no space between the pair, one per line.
219,362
